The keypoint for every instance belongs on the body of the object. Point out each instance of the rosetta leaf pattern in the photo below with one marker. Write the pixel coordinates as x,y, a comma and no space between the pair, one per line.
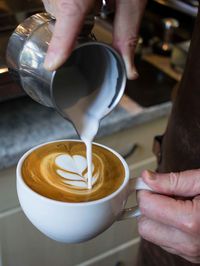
72,169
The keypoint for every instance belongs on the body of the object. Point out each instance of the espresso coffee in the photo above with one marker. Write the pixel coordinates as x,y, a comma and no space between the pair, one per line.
58,171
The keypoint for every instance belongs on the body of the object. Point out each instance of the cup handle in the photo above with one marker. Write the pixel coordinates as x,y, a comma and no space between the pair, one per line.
135,184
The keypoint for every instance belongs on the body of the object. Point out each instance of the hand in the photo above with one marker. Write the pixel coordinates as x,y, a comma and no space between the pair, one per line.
171,223
70,16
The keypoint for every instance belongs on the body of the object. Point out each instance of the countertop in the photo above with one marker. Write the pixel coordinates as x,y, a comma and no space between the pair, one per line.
25,123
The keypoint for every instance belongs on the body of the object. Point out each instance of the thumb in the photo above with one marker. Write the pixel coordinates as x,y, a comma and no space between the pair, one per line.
185,184
69,19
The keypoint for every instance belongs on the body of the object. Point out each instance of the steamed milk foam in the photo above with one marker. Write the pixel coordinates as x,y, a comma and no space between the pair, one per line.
92,105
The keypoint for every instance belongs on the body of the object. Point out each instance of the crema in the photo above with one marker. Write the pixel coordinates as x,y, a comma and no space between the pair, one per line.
59,171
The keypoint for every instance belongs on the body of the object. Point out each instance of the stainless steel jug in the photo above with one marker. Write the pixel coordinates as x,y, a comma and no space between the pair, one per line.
94,73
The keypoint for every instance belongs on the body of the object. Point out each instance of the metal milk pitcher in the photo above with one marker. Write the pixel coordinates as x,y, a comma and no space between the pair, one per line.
91,80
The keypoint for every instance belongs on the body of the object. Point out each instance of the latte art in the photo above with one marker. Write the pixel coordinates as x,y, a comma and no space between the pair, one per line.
67,172
74,170
59,171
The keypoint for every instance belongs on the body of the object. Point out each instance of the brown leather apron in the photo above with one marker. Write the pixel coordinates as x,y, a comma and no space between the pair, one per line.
180,149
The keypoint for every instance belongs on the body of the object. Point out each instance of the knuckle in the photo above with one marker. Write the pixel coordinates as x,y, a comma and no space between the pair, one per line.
190,222
192,225
126,42
70,7
131,41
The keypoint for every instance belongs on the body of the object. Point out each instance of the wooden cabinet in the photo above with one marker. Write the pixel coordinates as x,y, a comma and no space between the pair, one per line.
21,244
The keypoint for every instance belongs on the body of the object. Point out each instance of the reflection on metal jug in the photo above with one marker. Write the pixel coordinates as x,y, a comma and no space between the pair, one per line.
92,77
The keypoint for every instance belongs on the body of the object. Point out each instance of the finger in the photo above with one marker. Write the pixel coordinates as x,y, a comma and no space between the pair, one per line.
171,250
184,215
186,183
125,33
195,259
49,6
169,237
70,15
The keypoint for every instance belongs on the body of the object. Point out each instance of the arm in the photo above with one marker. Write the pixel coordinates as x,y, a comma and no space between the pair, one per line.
70,16
171,223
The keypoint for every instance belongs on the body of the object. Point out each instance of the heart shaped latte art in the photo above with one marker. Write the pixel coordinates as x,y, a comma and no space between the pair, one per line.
74,170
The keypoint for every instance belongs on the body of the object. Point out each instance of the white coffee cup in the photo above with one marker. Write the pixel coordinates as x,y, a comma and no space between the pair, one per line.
77,222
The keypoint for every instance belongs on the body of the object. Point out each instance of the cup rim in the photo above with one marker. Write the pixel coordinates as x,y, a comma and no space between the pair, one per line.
57,202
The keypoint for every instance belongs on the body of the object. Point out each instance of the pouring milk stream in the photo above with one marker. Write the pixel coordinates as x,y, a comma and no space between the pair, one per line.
87,112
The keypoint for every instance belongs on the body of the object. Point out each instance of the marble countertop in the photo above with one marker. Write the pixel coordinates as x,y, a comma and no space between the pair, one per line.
25,123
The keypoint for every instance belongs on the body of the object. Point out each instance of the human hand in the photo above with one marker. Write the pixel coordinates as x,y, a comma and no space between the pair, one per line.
70,16
171,223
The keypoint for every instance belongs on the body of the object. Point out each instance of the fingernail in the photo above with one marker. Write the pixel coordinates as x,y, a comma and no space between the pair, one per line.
51,62
130,67
131,71
132,75
150,175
